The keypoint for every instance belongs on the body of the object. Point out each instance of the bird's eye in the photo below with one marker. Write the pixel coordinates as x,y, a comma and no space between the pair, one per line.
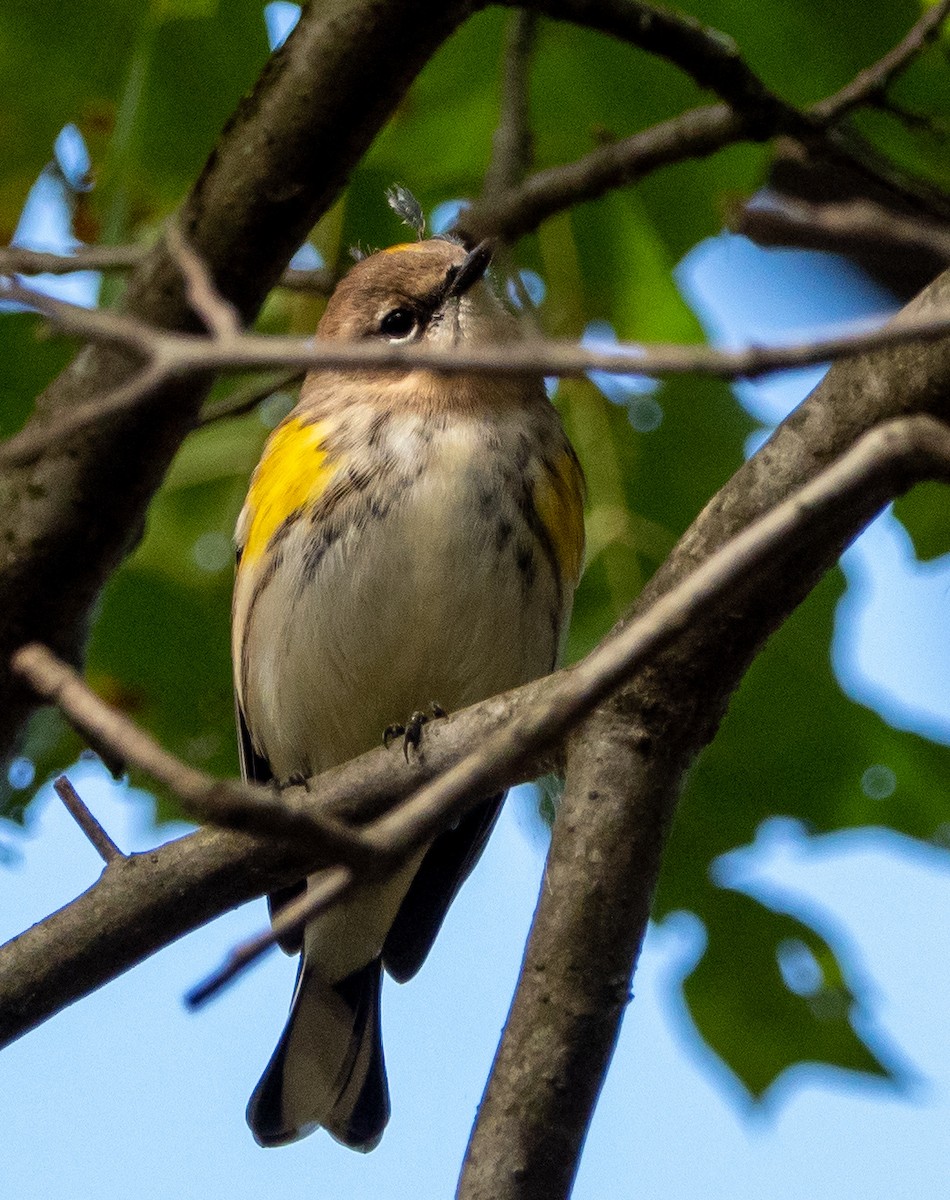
398,323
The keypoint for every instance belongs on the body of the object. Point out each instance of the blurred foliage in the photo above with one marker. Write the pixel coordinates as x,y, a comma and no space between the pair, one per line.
150,82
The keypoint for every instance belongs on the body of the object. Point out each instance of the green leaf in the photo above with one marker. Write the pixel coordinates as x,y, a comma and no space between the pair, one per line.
747,1013
925,511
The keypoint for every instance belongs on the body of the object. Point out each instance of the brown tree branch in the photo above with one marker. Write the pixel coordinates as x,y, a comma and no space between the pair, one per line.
170,355
106,848
288,922
708,56
247,807
523,207
626,767
871,83
841,226
21,260
512,142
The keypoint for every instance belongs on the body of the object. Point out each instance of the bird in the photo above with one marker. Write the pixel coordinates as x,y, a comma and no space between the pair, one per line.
408,536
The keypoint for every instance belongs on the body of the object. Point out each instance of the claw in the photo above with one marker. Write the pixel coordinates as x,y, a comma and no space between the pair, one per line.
412,730
297,779
391,732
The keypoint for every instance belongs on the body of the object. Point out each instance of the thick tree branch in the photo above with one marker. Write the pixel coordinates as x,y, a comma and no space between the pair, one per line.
626,767
148,900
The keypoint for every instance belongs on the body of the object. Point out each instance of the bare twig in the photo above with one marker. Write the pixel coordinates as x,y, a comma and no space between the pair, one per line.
695,134
20,260
512,141
246,399
847,223
93,324
934,126
874,81
79,811
218,315
512,148
226,802
320,895
181,354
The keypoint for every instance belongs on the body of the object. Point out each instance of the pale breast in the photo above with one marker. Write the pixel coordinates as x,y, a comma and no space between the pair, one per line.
428,579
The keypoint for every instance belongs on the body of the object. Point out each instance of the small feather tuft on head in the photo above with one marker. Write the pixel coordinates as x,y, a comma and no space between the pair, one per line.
357,253
407,208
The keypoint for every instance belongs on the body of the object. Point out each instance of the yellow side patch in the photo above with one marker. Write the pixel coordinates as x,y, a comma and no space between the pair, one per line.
558,499
403,246
291,476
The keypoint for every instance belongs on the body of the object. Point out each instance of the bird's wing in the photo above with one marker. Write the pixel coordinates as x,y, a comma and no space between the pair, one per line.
256,769
448,863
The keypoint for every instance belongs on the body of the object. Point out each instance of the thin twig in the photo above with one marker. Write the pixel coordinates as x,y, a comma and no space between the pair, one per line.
230,803
512,147
181,355
219,316
516,211
847,223
20,260
107,849
875,80
512,140
330,889
246,399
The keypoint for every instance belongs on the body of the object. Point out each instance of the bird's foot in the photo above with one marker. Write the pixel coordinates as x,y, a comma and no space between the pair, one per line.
297,779
411,731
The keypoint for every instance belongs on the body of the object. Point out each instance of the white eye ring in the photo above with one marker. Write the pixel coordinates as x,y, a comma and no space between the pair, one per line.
399,324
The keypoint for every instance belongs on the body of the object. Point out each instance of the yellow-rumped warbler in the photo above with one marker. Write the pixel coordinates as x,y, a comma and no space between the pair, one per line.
406,538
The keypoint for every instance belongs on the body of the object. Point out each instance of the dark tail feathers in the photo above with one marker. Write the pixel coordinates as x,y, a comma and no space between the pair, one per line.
328,1067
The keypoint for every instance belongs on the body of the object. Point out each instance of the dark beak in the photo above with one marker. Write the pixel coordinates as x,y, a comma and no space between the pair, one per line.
470,270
